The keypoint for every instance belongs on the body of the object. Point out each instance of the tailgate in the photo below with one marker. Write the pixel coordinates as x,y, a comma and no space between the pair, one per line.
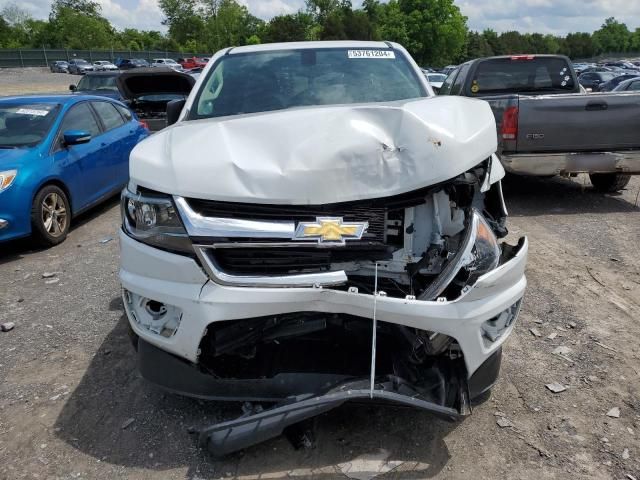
578,123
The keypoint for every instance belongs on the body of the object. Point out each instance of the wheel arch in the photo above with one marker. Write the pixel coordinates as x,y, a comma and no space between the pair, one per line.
61,185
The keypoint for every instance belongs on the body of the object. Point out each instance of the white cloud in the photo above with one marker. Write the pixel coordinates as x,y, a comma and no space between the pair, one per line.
545,16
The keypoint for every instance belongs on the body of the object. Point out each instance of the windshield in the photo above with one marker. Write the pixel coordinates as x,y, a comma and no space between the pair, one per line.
522,74
80,62
25,124
276,80
98,82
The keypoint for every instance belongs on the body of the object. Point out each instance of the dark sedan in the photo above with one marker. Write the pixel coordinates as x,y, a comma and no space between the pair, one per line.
102,84
593,80
614,82
130,63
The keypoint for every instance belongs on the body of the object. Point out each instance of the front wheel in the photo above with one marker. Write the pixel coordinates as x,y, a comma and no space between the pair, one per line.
609,182
50,216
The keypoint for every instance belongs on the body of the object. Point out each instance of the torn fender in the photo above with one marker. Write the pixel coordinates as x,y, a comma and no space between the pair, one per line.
318,155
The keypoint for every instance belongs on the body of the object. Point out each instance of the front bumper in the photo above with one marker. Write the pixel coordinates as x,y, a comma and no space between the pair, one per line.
196,302
545,164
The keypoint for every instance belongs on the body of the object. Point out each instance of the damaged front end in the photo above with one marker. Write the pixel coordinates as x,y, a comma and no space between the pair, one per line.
427,247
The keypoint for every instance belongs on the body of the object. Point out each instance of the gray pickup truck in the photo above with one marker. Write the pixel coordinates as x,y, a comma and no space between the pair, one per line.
547,126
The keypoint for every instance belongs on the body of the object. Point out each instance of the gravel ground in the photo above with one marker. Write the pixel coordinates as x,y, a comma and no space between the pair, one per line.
73,406
24,81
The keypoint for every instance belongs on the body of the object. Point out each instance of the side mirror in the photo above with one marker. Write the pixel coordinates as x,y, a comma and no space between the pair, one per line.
76,137
174,108
73,88
436,90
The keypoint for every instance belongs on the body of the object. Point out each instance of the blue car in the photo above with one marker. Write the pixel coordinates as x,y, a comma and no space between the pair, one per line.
59,156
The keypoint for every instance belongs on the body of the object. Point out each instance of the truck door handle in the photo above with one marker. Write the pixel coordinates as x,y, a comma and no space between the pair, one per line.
596,106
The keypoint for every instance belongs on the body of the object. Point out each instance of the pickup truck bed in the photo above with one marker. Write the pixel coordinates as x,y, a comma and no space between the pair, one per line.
546,126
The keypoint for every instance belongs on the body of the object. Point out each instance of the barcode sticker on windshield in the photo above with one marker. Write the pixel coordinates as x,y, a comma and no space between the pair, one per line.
30,111
383,54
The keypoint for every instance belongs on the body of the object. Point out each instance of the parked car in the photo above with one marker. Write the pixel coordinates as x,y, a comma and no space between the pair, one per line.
59,156
436,80
621,64
130,63
448,69
193,62
593,80
609,85
59,66
546,127
103,66
323,243
167,62
79,66
148,90
630,85
102,84
596,69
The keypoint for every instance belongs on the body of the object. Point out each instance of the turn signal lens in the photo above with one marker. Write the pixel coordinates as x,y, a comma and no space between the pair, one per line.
6,179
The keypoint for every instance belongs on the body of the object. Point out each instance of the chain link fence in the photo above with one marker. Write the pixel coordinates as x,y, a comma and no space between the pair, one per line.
22,57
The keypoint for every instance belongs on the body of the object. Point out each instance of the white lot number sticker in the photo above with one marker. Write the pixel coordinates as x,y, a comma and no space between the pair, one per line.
382,54
30,111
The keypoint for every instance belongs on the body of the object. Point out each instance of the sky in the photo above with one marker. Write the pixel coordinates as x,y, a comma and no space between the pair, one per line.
545,16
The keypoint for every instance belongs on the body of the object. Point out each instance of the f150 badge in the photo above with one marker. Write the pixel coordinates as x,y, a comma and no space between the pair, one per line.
330,230
535,136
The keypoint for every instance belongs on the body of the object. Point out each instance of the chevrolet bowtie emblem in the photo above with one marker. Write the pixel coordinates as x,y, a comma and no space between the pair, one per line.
330,230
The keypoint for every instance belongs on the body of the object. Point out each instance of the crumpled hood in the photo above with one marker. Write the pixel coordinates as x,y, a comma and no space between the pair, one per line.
318,155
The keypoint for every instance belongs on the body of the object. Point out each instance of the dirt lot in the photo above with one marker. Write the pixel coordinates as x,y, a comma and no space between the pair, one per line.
73,406
23,81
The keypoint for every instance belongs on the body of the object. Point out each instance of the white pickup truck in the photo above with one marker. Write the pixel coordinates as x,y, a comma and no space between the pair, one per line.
316,227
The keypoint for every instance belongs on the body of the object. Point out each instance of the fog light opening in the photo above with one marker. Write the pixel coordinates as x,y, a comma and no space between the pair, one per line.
156,309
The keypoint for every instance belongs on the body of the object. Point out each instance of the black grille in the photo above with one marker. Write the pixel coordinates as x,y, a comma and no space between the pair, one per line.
374,215
384,235
286,261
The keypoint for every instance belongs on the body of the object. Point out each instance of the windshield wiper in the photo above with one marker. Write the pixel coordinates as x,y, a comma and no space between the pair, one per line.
8,147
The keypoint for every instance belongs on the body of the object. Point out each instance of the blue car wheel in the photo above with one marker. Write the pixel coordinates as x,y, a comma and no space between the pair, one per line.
50,216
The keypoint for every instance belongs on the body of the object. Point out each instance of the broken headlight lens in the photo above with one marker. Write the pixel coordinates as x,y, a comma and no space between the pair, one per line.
485,253
154,220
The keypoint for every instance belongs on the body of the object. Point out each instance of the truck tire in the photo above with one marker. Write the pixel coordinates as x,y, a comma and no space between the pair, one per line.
609,182
50,216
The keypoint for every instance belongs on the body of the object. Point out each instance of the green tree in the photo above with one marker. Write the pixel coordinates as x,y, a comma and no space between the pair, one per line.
229,24
288,28
513,42
579,45
322,9
85,7
635,41
6,33
438,30
184,21
613,36
477,46
392,26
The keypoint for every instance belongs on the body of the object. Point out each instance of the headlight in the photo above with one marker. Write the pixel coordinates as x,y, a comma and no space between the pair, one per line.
479,253
153,219
6,179
484,255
